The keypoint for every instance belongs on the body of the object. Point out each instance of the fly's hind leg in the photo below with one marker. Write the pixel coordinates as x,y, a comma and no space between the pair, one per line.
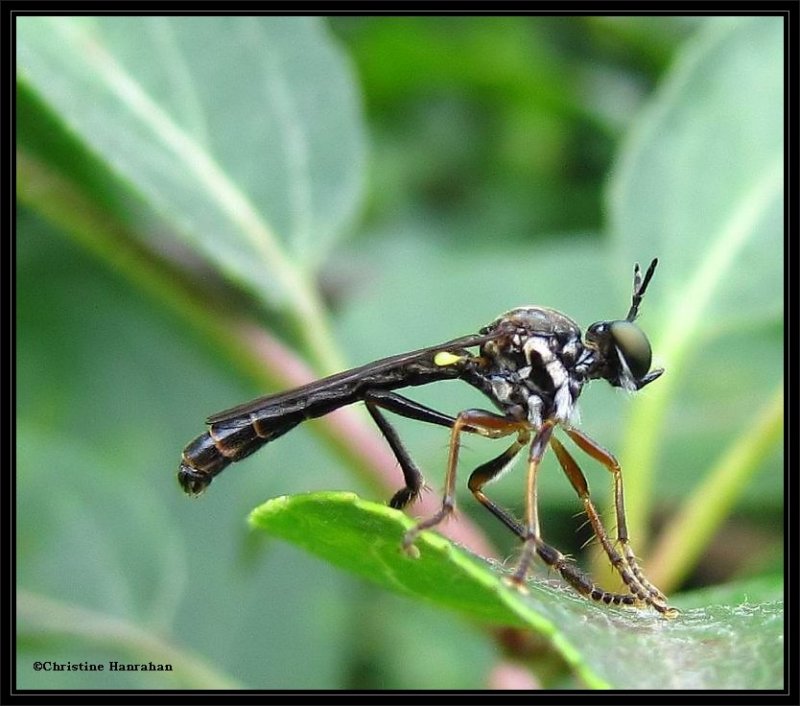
391,401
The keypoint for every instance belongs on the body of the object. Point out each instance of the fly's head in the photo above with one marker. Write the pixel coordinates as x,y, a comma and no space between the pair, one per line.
623,354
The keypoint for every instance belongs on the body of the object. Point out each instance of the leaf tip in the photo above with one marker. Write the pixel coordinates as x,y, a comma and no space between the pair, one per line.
260,514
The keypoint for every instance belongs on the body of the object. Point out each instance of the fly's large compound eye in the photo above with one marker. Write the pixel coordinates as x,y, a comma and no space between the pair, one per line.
633,346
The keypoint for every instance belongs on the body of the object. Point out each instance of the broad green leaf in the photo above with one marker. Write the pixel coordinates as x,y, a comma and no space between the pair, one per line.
243,132
700,181
626,649
700,185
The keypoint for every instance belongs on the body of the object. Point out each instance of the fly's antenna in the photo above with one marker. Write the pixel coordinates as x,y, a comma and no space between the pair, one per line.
639,287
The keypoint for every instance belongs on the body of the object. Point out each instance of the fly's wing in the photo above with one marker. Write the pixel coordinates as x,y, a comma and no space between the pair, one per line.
339,387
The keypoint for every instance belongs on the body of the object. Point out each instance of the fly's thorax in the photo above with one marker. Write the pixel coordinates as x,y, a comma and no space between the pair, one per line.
535,319
535,370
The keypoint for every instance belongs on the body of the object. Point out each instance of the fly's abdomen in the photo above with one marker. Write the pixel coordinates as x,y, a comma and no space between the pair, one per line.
225,443
240,431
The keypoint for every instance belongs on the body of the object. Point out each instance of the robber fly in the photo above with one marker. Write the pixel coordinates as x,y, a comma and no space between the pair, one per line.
532,363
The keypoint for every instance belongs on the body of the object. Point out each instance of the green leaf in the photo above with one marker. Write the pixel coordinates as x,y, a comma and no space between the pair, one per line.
700,185
699,180
620,648
251,148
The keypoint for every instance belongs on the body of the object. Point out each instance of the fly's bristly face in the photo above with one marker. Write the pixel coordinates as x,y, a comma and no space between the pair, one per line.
622,351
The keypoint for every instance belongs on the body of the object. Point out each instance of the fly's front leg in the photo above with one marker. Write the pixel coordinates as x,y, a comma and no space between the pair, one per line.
534,545
606,458
641,589
476,421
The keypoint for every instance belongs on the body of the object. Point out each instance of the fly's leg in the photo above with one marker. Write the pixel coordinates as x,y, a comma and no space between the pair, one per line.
391,401
569,572
531,538
531,535
476,421
491,470
641,592
577,578
606,458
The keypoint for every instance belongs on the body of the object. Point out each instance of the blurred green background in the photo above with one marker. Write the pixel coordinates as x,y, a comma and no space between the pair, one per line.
412,178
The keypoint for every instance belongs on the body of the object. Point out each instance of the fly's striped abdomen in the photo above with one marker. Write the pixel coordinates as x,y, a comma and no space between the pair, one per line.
240,431
232,438
226,442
